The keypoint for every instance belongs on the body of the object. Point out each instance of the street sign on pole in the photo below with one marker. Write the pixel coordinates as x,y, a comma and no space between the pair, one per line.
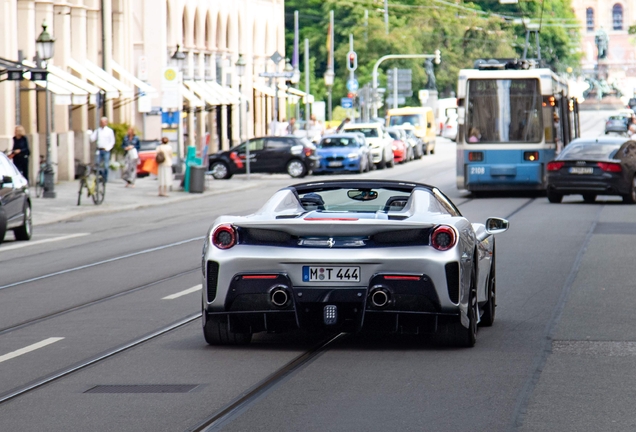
352,85
346,102
401,100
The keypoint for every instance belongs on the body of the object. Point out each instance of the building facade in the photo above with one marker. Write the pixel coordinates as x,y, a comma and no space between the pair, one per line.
111,58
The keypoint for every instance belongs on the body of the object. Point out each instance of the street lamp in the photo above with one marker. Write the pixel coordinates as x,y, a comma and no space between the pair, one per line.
179,57
45,45
240,71
329,78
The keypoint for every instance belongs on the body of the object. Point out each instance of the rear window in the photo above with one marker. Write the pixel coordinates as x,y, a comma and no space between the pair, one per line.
621,118
589,151
368,132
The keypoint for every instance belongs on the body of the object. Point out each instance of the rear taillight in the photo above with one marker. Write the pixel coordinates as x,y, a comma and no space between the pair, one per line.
224,236
531,156
610,167
555,166
308,152
443,238
475,156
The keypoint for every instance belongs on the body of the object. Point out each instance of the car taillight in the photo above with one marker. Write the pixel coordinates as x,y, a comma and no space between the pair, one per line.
555,166
308,152
475,156
610,167
531,156
224,236
443,238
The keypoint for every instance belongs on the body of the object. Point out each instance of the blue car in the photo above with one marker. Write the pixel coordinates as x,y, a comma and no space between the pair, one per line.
342,152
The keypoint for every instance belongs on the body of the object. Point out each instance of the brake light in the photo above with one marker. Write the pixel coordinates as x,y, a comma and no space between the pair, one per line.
555,166
443,238
610,167
531,156
475,156
224,236
308,151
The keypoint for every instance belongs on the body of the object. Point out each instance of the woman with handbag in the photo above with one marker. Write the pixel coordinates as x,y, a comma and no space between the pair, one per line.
131,145
163,157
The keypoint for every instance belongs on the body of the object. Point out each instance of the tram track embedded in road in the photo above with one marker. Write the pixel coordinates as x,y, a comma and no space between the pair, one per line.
94,302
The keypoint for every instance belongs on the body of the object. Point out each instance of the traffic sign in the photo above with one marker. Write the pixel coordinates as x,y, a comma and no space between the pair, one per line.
352,85
401,100
346,102
276,74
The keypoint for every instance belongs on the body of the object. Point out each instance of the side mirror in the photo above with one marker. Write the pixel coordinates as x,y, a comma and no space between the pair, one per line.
496,225
6,180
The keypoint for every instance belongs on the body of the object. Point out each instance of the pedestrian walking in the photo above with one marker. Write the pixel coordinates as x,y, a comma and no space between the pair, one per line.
104,137
20,151
164,162
131,145
291,127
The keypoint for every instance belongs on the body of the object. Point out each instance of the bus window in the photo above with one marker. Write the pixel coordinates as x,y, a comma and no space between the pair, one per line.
505,110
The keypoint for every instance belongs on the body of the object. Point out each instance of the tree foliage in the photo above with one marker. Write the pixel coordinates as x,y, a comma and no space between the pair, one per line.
463,33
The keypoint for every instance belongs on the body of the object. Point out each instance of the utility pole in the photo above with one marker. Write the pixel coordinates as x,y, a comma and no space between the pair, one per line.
395,88
306,84
366,25
386,15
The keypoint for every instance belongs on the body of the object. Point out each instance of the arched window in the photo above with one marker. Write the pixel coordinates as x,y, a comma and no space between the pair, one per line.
617,17
589,17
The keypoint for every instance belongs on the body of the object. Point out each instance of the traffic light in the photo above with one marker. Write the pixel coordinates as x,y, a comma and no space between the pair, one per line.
351,95
438,56
352,60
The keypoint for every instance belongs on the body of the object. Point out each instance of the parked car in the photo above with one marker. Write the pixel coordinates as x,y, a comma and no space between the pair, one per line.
401,151
15,201
421,118
342,152
449,129
379,141
287,154
616,124
415,142
605,166
350,256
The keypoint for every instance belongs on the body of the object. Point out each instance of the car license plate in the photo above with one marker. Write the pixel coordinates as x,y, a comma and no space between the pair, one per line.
335,164
331,274
581,170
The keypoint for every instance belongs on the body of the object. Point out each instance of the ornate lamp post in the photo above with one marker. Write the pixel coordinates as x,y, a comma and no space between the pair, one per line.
240,71
179,58
45,45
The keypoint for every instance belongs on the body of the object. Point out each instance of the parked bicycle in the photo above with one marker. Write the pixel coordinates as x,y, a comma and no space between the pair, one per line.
39,180
93,182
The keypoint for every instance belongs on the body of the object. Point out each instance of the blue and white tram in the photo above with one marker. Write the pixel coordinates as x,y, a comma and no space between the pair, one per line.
512,119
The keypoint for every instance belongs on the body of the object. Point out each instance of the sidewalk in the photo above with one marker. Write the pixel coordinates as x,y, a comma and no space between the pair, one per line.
119,198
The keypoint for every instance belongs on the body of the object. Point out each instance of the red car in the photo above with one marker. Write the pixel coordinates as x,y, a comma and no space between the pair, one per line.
400,147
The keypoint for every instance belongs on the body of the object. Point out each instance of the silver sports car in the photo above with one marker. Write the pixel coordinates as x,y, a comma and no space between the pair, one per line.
350,255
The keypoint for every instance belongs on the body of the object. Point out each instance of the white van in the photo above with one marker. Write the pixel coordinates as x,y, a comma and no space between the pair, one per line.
446,108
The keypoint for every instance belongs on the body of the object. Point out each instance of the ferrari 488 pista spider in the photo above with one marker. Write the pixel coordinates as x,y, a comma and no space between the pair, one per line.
350,255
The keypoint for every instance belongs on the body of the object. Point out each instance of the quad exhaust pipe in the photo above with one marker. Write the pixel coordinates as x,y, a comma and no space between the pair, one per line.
380,297
279,296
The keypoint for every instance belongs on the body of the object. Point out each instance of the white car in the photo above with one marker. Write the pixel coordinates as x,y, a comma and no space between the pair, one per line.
378,139
449,129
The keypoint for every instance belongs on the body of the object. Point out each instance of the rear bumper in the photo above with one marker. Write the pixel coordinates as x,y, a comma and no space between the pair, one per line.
598,185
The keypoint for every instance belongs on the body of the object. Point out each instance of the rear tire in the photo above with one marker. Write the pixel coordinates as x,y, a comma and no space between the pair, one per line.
218,332
488,318
630,198
458,335
23,233
554,197
589,198
100,190
381,164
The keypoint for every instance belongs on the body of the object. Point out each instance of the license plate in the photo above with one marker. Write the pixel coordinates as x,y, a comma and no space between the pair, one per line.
331,274
335,164
581,170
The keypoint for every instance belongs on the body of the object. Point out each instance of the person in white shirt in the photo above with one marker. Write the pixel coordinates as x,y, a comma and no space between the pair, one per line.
104,137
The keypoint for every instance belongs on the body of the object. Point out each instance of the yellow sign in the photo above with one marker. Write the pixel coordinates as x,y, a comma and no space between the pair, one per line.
170,74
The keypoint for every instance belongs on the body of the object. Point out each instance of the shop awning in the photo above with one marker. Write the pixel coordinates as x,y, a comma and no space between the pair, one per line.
66,89
301,94
126,91
230,96
203,92
215,89
190,99
110,90
143,87
266,90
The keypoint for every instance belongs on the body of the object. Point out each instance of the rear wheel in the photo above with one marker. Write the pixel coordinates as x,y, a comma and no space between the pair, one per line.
488,318
81,190
100,190
296,168
391,163
554,197
23,233
382,163
630,198
218,332
589,198
220,171
39,184
456,333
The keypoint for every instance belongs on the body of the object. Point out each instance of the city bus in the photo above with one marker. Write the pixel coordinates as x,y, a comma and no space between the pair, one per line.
513,119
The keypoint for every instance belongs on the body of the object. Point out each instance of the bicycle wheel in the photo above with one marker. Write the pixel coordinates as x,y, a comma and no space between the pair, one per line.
39,184
81,189
100,190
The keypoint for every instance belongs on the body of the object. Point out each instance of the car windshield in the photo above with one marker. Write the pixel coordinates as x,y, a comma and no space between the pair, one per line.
503,111
148,145
394,135
369,132
412,119
338,142
366,201
589,151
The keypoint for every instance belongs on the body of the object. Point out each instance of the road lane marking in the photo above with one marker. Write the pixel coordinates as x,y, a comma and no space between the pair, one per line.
19,245
30,348
182,293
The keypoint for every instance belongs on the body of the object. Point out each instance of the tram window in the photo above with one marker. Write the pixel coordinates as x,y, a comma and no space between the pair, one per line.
505,110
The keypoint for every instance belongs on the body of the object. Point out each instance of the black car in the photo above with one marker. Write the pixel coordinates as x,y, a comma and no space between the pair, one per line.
617,124
15,201
287,154
605,166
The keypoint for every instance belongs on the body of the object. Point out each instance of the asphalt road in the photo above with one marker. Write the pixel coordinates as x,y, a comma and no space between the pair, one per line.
116,301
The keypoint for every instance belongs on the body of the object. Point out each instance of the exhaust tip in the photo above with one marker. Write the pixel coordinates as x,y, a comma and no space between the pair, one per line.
279,296
380,297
